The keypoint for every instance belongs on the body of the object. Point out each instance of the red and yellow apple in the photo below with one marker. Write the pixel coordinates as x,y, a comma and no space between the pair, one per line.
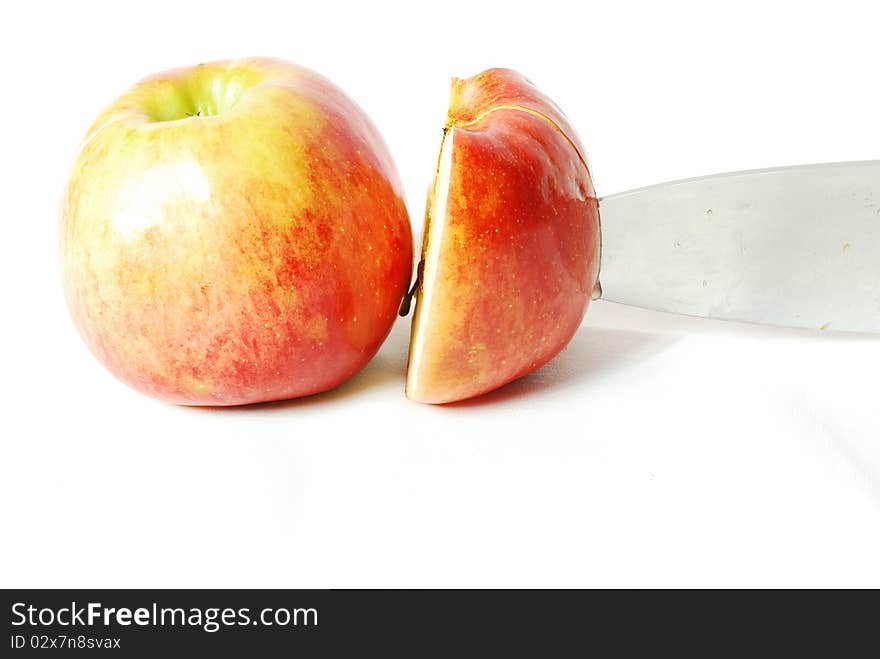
510,254
234,233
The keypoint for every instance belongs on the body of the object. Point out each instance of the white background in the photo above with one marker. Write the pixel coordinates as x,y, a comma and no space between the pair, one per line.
654,451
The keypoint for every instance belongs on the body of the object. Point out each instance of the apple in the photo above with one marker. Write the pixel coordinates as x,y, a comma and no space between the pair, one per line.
234,233
510,255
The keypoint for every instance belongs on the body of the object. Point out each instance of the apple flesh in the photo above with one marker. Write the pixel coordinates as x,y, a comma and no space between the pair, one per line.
510,254
234,233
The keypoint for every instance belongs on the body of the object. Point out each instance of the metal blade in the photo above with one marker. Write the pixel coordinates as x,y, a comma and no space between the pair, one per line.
793,246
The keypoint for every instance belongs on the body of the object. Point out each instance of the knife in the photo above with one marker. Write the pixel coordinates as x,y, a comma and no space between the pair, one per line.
789,246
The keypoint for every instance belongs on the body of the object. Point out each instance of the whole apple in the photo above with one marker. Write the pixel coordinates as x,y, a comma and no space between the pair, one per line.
234,233
511,245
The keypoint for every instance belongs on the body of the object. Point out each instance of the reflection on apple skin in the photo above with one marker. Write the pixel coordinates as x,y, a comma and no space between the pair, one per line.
142,202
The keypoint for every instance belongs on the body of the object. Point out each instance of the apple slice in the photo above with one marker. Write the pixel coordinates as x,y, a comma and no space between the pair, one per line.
510,254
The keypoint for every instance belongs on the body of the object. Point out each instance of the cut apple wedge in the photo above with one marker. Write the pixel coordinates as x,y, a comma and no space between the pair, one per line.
510,254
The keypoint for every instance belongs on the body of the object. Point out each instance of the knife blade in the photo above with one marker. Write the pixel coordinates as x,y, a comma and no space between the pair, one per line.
790,246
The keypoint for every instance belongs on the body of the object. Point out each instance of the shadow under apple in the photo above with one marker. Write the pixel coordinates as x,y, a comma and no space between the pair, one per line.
592,354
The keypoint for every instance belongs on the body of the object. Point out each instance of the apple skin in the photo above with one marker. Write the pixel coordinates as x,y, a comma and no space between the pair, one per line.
234,233
518,257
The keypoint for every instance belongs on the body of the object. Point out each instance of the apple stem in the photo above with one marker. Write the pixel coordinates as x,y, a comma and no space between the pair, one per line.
406,303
